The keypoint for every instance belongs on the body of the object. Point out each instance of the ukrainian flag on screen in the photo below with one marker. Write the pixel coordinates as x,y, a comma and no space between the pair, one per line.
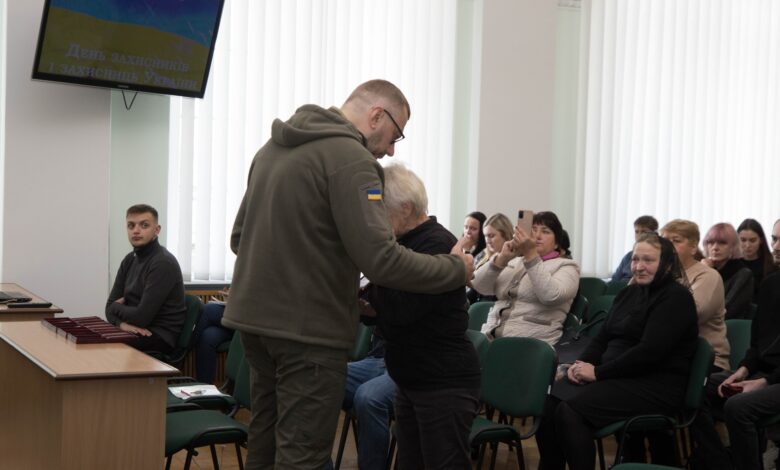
193,19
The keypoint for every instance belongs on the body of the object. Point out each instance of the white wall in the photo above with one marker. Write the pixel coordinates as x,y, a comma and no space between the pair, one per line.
55,177
516,108
465,113
3,55
139,165
516,102
567,64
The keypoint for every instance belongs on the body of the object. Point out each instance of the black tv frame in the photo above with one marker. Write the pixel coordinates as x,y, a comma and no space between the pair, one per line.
96,82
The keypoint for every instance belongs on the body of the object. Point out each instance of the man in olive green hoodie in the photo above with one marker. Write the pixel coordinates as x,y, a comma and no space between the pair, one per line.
311,220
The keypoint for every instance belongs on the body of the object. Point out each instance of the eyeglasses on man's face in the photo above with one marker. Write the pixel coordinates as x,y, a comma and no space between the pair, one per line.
401,135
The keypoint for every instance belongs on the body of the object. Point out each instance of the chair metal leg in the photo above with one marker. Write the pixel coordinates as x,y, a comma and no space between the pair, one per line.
520,456
238,456
493,452
686,444
188,462
342,440
602,460
481,456
214,459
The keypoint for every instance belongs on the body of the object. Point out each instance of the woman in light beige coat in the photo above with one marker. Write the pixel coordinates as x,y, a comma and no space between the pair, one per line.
706,286
534,284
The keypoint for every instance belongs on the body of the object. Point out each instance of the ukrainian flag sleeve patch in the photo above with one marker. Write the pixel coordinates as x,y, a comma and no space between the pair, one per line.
374,194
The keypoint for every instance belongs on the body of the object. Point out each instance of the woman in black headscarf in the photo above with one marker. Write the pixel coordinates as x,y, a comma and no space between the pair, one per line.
637,364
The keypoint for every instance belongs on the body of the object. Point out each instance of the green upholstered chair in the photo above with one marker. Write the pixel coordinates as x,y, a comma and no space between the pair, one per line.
184,341
614,287
571,322
227,403
478,313
599,308
362,342
516,379
596,315
700,369
359,351
738,334
188,426
592,287
480,342
579,307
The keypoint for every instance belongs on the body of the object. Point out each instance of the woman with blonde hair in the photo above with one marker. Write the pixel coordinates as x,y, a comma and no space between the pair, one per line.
706,286
722,252
497,230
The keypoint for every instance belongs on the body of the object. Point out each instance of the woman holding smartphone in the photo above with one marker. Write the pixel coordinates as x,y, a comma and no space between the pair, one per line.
534,284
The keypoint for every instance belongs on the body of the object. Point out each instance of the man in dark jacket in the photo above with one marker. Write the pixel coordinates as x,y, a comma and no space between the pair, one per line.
311,220
750,393
148,294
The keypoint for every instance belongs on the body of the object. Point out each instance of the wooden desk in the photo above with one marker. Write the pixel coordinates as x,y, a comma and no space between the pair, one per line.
18,314
67,406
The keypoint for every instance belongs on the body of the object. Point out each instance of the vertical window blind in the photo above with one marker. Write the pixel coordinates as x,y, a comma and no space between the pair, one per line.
679,118
273,56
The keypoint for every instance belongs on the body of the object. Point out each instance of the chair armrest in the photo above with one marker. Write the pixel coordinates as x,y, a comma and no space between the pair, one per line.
181,380
175,408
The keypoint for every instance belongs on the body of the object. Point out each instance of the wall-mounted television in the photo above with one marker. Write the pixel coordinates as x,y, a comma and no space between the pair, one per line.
157,46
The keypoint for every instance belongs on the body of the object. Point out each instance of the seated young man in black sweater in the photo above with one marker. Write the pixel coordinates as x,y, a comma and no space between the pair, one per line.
148,294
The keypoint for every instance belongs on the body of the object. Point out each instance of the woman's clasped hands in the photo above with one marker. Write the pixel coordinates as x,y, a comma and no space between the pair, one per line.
581,373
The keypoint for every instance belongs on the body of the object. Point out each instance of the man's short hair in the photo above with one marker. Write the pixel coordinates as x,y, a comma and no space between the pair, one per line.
647,221
142,209
372,89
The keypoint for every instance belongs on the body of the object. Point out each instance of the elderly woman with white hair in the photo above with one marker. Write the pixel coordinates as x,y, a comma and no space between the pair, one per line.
428,354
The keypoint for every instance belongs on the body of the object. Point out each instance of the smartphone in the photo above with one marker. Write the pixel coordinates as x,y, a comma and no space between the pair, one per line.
729,390
525,220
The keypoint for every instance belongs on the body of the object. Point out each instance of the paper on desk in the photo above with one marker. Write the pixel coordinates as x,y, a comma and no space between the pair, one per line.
191,391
